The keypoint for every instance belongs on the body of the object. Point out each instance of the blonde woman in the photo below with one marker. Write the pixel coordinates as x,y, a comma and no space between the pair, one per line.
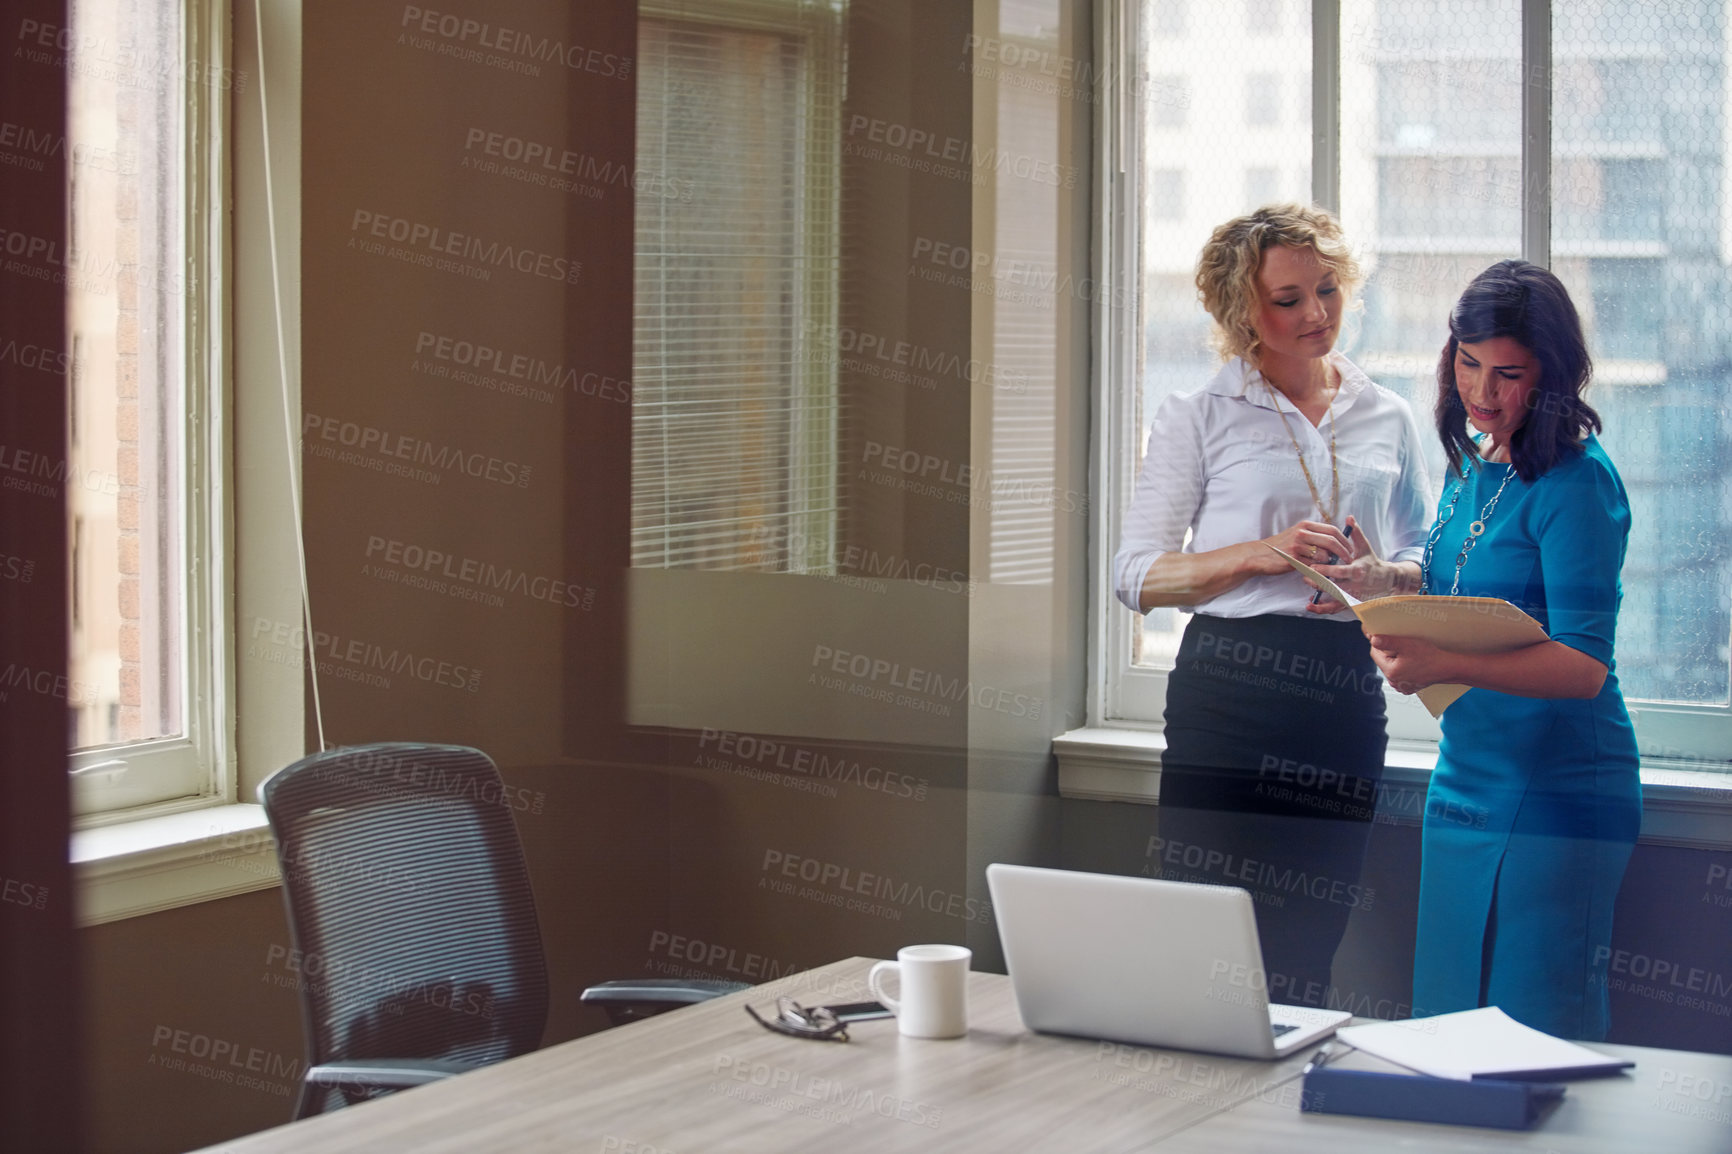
1275,716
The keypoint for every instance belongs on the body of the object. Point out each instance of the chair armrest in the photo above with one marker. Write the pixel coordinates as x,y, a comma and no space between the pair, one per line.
386,1073
634,998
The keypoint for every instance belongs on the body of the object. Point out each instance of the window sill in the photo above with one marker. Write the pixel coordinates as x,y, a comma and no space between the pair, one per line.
159,863
1680,807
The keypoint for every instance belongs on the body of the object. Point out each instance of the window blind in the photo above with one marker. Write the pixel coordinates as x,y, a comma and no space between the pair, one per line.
734,400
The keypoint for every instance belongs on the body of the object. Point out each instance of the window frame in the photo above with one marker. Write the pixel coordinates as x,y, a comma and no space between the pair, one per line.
1122,697
193,849
128,780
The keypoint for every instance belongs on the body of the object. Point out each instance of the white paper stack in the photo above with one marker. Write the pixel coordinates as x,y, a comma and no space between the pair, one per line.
1483,1043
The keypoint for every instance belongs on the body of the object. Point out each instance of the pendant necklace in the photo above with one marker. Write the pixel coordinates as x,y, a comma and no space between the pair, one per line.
1474,531
1334,505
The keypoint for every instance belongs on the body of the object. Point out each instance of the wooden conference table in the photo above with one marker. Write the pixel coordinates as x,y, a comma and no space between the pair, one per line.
708,1079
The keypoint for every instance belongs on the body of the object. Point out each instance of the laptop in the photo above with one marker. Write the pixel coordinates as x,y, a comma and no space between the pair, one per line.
1151,963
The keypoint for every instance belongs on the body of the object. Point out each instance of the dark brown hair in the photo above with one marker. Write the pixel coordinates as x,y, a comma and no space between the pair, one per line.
1529,305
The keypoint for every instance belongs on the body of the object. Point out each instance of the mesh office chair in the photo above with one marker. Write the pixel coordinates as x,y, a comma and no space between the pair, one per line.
410,904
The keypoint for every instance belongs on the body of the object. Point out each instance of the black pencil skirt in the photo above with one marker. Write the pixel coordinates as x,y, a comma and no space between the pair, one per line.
1275,744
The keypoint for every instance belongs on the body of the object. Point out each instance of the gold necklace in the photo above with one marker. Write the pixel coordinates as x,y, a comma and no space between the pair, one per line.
1334,505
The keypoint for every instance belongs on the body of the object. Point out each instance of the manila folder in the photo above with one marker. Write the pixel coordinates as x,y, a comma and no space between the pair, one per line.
1458,624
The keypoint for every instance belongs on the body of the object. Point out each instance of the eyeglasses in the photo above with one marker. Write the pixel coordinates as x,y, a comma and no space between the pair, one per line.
815,1022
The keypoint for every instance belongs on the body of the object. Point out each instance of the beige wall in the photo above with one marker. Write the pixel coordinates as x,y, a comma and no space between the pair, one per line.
640,835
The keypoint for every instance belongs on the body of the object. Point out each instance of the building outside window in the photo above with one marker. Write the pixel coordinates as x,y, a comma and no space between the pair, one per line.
1262,99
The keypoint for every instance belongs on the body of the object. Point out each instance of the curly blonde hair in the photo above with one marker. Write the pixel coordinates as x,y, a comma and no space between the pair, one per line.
1227,267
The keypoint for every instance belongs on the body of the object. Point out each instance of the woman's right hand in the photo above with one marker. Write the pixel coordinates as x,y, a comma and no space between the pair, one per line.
1184,579
1313,542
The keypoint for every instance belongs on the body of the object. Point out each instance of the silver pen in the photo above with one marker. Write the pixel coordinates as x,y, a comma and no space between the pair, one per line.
1317,1059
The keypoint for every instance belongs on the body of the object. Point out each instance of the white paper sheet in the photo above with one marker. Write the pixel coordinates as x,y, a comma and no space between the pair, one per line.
1485,1041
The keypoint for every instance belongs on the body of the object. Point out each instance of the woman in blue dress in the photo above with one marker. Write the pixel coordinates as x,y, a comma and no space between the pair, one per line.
1535,803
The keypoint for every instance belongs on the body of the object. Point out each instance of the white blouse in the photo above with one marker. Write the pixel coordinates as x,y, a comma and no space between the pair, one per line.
1220,464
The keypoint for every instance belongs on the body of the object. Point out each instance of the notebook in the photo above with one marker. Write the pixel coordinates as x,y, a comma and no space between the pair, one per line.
1148,962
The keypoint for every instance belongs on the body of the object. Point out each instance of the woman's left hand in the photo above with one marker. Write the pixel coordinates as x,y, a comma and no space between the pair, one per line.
1410,664
1367,578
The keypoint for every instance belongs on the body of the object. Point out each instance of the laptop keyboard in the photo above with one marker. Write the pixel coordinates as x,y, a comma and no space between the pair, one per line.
1282,1028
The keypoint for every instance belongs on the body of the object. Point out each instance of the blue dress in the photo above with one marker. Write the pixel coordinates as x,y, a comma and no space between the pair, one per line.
1535,803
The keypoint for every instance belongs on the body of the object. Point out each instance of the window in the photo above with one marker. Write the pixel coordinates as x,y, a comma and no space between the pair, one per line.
1261,185
1166,193
1262,17
147,106
1262,99
734,401
1169,348
1624,199
1168,97
1169,19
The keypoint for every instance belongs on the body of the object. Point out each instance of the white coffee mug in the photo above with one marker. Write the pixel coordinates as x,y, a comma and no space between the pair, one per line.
934,987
